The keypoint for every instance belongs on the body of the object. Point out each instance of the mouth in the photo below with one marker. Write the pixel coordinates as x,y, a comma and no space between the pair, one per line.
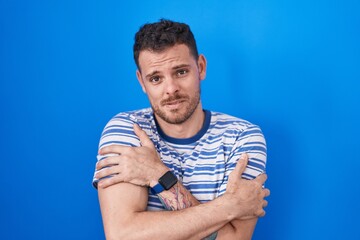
174,104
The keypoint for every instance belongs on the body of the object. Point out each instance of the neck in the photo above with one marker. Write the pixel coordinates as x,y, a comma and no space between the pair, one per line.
186,129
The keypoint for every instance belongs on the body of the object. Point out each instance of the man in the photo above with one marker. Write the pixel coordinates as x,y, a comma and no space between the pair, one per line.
176,156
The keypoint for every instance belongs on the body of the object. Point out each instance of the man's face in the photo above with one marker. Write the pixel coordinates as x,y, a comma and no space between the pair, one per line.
171,79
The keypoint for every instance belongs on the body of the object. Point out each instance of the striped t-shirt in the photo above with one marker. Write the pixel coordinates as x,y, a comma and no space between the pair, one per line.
203,162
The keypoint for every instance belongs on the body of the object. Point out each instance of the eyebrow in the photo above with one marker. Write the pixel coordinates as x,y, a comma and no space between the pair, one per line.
174,68
181,66
152,74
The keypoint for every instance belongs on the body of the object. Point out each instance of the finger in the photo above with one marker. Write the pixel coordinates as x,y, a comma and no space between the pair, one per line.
107,172
261,179
144,139
113,149
261,213
266,192
241,165
107,182
247,217
107,162
265,203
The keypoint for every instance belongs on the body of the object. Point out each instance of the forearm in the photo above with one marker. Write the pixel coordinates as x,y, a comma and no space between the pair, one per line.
178,198
191,223
237,229
121,223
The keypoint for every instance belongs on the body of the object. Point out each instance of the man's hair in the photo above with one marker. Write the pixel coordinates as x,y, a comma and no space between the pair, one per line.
161,35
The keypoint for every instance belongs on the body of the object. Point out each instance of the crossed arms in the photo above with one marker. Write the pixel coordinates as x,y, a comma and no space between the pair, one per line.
123,199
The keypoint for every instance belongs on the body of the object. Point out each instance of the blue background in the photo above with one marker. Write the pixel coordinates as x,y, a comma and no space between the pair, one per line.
293,67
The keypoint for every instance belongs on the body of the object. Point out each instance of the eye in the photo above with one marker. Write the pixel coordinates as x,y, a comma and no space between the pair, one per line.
155,79
182,72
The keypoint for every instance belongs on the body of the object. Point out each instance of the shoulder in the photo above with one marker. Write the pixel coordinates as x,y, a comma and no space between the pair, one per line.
126,120
119,130
131,117
230,124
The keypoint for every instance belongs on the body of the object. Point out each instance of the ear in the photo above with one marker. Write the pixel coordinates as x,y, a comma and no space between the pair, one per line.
202,66
139,77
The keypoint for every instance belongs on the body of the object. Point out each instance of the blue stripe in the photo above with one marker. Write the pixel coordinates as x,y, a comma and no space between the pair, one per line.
118,143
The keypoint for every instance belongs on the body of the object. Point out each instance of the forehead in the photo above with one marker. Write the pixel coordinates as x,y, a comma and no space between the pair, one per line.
168,58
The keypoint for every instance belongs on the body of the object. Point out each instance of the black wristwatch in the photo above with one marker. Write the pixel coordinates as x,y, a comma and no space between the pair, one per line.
165,183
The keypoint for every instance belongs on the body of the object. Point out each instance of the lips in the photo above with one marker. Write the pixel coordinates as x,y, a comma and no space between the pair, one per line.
174,102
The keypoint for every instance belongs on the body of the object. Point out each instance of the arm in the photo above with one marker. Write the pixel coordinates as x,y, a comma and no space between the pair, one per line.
123,208
252,142
176,198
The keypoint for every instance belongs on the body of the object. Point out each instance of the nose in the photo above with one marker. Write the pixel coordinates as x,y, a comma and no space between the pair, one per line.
171,86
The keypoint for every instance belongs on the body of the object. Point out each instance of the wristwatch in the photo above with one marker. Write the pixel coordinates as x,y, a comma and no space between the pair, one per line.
165,183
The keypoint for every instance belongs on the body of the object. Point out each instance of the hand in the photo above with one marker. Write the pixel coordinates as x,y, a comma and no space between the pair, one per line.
246,197
137,165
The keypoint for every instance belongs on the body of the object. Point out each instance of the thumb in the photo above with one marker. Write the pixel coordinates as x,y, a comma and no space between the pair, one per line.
143,137
241,165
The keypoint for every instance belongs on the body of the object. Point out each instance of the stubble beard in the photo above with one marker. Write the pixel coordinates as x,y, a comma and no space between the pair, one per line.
175,117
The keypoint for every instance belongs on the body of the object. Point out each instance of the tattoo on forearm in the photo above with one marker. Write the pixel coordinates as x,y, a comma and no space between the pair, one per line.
176,198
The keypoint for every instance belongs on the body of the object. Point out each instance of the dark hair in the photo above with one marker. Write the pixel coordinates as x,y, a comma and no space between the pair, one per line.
161,35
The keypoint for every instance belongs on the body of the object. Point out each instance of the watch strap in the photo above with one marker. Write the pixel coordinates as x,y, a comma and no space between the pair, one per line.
158,188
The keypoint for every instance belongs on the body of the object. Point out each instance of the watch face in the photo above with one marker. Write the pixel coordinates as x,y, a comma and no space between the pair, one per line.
168,180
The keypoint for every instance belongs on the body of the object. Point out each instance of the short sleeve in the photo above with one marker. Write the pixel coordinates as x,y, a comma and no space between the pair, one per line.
118,131
251,141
